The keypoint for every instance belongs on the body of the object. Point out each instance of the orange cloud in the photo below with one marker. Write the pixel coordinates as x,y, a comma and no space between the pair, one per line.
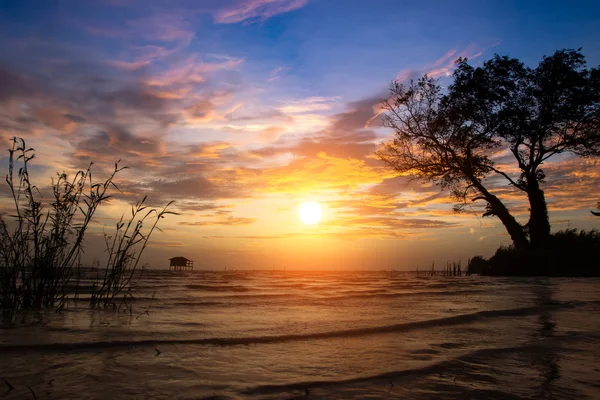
212,151
310,175
229,220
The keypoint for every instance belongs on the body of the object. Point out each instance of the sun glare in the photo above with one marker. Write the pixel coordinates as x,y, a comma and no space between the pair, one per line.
310,213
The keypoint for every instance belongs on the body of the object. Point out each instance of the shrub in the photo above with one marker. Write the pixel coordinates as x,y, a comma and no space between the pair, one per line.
476,265
567,253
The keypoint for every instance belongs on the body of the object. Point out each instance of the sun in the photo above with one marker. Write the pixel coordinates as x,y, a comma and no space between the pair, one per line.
310,213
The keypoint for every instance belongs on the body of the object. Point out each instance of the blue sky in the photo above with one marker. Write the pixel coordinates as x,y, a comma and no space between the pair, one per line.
326,47
240,110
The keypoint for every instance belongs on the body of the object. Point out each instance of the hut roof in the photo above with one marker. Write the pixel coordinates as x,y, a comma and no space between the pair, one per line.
179,258
180,262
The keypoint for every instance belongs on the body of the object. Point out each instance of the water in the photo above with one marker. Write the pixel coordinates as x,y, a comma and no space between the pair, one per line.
317,335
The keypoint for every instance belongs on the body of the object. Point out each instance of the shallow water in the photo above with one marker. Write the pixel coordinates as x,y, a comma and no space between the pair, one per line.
317,335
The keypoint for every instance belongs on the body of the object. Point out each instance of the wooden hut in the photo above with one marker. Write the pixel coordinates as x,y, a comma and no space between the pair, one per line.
181,264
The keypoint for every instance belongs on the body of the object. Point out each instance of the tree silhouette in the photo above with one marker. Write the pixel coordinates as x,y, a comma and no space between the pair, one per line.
534,113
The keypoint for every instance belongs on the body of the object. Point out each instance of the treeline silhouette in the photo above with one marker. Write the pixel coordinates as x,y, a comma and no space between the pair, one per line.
568,253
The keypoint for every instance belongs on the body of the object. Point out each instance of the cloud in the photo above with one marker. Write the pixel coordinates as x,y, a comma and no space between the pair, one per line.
365,204
64,101
345,135
197,187
193,69
212,150
116,142
267,237
308,105
444,66
196,127
256,9
314,174
275,74
262,115
146,38
102,114
203,207
223,12
164,26
393,223
163,243
14,85
228,220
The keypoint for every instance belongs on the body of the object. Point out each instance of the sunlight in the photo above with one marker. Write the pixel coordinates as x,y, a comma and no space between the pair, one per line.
310,213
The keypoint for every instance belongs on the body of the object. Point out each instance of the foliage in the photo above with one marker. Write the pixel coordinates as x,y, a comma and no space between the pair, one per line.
448,137
536,113
41,244
567,253
476,265
433,142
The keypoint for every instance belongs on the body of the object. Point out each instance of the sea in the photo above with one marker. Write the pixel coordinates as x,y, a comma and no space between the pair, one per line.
314,335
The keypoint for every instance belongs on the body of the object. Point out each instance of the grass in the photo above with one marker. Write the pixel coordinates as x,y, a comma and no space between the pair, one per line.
42,242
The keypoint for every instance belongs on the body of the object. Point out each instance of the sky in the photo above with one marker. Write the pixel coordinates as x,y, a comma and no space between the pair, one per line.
239,111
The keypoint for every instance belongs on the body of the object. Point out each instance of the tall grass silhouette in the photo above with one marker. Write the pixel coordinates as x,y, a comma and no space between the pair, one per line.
41,243
124,250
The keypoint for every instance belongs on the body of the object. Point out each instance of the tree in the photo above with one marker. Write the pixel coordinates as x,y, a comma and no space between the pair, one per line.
447,137
433,142
538,113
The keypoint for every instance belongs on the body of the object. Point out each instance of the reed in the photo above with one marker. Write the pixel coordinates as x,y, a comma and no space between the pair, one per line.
41,243
124,250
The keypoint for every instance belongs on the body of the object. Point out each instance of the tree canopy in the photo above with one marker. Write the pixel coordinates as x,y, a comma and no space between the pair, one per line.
450,136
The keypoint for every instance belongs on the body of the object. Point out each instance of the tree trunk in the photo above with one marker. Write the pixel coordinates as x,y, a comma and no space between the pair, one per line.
539,223
514,229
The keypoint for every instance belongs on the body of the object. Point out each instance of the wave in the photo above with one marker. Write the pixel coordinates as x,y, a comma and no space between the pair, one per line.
382,294
304,287
194,304
218,288
318,298
207,299
449,367
454,320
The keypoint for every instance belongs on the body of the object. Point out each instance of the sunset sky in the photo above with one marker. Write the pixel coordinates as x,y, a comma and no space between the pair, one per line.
242,110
